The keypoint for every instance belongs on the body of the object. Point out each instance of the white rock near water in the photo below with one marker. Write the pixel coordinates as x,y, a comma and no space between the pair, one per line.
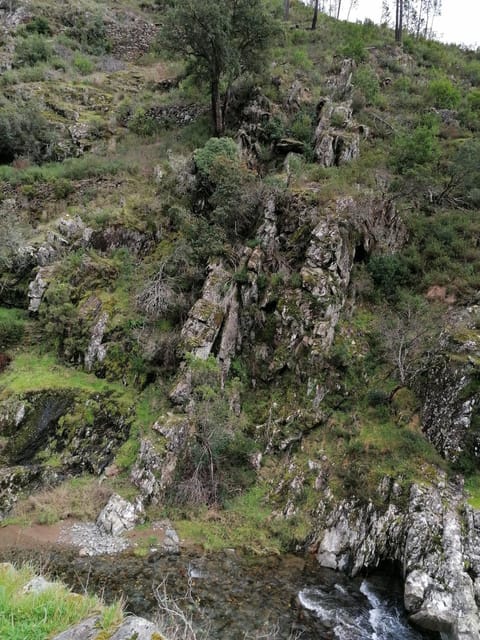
132,627
120,515
436,541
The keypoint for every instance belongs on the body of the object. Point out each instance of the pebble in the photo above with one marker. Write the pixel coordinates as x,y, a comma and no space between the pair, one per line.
92,541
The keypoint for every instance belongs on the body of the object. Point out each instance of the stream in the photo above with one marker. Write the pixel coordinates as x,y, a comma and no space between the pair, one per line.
240,597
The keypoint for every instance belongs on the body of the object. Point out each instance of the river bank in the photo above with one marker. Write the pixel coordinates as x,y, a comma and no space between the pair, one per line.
228,592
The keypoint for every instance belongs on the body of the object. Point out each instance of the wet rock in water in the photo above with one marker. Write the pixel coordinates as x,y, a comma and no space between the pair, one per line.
120,515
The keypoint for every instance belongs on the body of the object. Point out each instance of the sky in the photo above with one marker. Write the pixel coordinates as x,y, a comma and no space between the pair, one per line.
459,22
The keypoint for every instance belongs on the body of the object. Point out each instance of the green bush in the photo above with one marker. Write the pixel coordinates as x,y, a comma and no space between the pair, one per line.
365,80
274,129
473,99
216,149
377,398
40,25
415,148
83,64
443,94
89,30
24,132
12,328
62,188
355,48
143,124
389,273
32,50
302,126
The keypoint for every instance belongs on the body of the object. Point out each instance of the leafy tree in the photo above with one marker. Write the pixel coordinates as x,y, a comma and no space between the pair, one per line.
24,132
221,39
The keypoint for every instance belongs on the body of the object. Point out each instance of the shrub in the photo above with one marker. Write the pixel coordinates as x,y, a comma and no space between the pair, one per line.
365,80
62,188
274,129
89,30
32,50
389,273
415,148
473,99
11,328
82,64
302,126
443,94
40,25
355,49
143,124
24,132
377,397
216,149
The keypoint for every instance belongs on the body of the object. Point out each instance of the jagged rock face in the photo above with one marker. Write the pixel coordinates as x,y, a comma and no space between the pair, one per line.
15,480
212,321
450,390
96,351
435,539
337,136
322,247
85,431
37,288
340,83
276,325
154,469
177,115
118,237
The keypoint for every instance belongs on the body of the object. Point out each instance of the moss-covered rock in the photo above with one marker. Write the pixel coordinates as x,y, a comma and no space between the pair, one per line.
80,431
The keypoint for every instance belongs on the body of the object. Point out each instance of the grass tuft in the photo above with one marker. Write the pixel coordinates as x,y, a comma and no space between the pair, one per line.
37,616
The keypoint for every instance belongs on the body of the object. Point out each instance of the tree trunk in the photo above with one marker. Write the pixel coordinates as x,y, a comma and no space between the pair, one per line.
226,104
315,16
216,107
286,9
398,20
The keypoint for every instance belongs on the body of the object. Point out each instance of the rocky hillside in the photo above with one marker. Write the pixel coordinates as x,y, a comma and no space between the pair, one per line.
271,337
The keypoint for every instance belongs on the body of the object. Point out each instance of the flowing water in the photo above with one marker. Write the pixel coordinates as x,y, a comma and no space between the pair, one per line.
240,597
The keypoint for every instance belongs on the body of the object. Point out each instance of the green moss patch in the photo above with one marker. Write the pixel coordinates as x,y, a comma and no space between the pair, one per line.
34,372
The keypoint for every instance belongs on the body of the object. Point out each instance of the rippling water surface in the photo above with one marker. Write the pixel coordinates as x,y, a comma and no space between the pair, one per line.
240,597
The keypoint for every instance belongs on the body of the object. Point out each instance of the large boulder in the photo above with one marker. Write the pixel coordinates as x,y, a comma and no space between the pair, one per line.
120,515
